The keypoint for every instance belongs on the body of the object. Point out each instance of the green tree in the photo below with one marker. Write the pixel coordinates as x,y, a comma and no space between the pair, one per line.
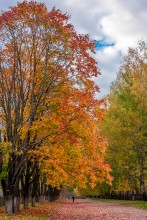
126,121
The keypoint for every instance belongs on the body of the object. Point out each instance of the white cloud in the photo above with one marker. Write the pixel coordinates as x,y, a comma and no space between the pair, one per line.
121,21
109,60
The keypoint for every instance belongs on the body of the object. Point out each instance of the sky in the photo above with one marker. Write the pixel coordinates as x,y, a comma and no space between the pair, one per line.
114,24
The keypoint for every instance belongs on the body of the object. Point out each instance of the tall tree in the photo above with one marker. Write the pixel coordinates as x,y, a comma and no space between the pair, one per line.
125,123
74,146
46,85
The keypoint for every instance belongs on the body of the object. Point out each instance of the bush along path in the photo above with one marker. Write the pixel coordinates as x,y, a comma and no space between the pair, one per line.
86,209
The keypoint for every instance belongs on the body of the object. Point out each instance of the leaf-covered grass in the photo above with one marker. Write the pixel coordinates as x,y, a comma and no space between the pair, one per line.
40,212
137,204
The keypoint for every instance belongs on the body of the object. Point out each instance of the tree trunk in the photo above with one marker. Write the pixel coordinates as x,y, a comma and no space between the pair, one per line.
16,204
42,199
12,197
42,192
9,204
34,189
142,182
49,198
33,201
26,202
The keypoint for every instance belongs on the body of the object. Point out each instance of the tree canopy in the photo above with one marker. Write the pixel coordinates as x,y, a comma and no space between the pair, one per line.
125,124
49,114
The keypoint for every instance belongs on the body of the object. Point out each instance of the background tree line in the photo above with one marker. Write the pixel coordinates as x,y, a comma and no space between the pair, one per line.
125,125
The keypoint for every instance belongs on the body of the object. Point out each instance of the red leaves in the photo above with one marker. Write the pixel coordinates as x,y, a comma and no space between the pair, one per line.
85,209
48,68
81,209
40,211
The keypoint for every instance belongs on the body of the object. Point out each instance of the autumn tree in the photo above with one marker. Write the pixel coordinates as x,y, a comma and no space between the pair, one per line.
125,123
75,147
49,113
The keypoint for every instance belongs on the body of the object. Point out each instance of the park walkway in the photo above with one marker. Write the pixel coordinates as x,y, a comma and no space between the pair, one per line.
86,209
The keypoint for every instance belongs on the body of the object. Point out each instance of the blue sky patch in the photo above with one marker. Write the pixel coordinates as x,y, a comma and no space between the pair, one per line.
101,44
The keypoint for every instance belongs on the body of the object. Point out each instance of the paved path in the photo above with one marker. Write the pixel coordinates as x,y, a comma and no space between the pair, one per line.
86,209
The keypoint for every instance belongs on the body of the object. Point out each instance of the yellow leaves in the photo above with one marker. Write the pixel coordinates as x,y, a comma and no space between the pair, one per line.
23,130
125,123
54,112
5,148
45,127
67,163
123,185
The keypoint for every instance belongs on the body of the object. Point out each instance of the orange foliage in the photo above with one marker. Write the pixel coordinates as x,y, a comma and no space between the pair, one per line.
47,95
73,148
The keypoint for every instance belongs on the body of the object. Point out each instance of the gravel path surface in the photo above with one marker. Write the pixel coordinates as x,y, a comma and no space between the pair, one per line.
86,209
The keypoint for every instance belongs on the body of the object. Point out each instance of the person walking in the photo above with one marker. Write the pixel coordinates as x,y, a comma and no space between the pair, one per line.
73,198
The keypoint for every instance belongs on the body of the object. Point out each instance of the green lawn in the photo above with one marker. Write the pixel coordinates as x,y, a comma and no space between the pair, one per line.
137,204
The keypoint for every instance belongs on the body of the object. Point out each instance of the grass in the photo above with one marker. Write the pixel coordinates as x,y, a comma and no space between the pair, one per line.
40,212
137,204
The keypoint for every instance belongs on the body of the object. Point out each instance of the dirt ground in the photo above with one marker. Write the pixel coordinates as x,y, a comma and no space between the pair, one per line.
86,209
